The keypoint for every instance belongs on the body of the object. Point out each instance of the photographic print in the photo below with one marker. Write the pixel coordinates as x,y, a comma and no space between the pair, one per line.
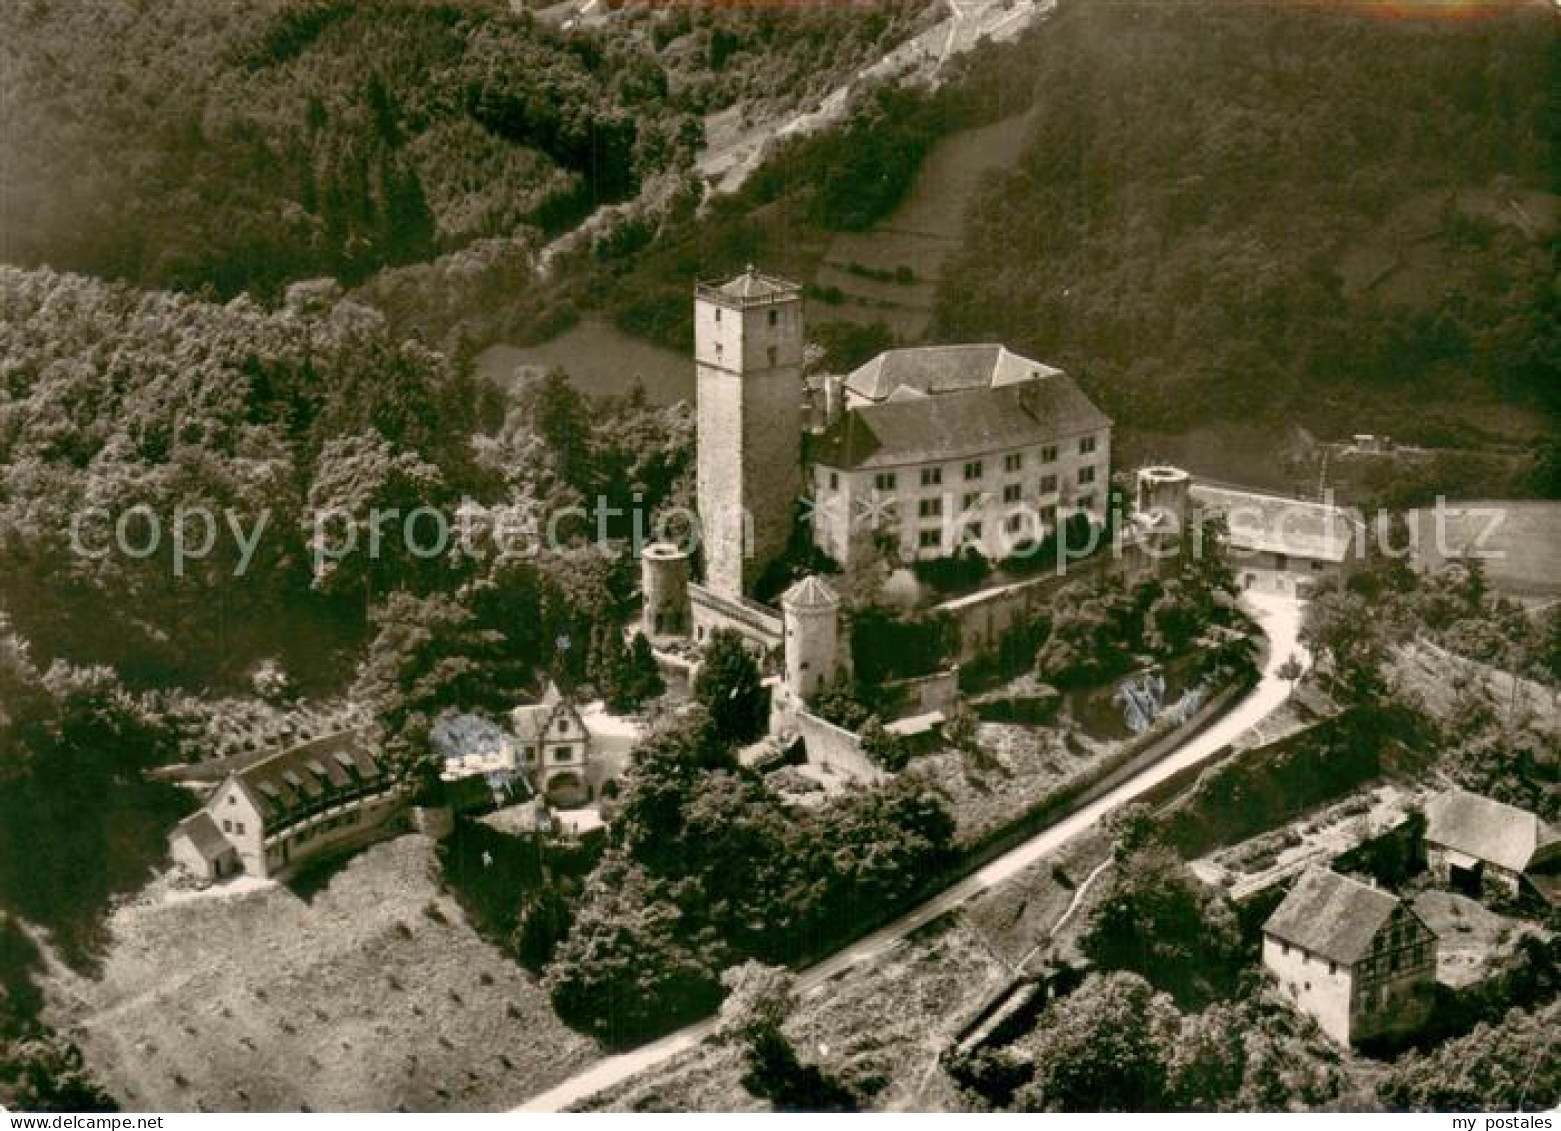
743,556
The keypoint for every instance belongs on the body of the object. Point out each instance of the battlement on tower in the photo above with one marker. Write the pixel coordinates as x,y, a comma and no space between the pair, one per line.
751,288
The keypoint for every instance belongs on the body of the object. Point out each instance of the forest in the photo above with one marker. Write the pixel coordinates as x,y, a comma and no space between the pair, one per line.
1288,212
237,148
113,399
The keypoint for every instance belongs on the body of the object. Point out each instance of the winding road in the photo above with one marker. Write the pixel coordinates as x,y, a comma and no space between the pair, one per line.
1279,617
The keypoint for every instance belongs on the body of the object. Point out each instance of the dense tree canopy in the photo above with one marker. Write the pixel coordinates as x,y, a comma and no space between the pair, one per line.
1291,210
77,822
241,148
729,689
1115,1044
1508,1066
1160,921
709,866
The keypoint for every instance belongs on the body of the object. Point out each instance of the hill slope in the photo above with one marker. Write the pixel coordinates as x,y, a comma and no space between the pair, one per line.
1235,209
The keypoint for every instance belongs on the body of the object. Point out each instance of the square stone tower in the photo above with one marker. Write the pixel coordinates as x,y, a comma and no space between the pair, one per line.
748,343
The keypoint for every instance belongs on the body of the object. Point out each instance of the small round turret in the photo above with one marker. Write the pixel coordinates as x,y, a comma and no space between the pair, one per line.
664,587
811,611
1163,490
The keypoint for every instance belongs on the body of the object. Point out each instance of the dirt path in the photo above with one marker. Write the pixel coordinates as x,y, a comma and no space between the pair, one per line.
1280,619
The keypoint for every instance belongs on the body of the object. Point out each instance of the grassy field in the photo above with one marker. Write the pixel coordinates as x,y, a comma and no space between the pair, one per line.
1024,916
368,992
1522,541
919,234
1437,676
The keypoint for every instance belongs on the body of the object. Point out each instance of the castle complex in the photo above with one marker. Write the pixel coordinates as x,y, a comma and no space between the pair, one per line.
942,448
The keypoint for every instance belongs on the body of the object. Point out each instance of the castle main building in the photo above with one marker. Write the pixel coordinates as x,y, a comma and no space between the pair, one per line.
956,446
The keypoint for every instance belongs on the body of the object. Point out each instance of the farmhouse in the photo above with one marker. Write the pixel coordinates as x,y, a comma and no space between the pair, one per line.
1279,543
269,817
1482,846
1355,958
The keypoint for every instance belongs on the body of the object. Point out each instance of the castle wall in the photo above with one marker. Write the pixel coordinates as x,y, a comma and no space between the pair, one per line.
936,692
835,749
984,617
760,626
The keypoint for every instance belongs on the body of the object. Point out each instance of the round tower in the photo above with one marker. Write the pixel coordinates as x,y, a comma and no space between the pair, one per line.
811,612
1165,490
664,587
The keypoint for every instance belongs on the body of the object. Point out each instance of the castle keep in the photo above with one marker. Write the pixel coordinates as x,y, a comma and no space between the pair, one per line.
748,341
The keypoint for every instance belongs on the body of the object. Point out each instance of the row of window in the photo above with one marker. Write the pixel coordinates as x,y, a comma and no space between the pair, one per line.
932,536
774,316
560,753
304,836
1381,964
886,481
976,469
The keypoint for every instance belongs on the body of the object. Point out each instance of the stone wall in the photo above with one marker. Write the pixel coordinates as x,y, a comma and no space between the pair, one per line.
757,624
836,749
1306,982
936,692
984,617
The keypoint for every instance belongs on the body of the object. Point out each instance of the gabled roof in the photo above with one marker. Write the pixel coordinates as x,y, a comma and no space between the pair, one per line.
532,720
295,778
1489,830
812,592
956,424
1281,524
204,834
1331,915
943,369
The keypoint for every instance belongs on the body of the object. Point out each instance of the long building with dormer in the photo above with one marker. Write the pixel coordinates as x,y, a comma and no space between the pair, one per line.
955,446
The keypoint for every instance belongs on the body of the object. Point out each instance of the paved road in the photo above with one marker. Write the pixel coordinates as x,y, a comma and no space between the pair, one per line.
1280,621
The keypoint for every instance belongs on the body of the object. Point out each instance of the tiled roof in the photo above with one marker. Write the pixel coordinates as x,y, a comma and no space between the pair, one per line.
1331,915
955,424
915,725
943,369
1280,524
812,592
204,834
297,778
752,285
1488,830
532,719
